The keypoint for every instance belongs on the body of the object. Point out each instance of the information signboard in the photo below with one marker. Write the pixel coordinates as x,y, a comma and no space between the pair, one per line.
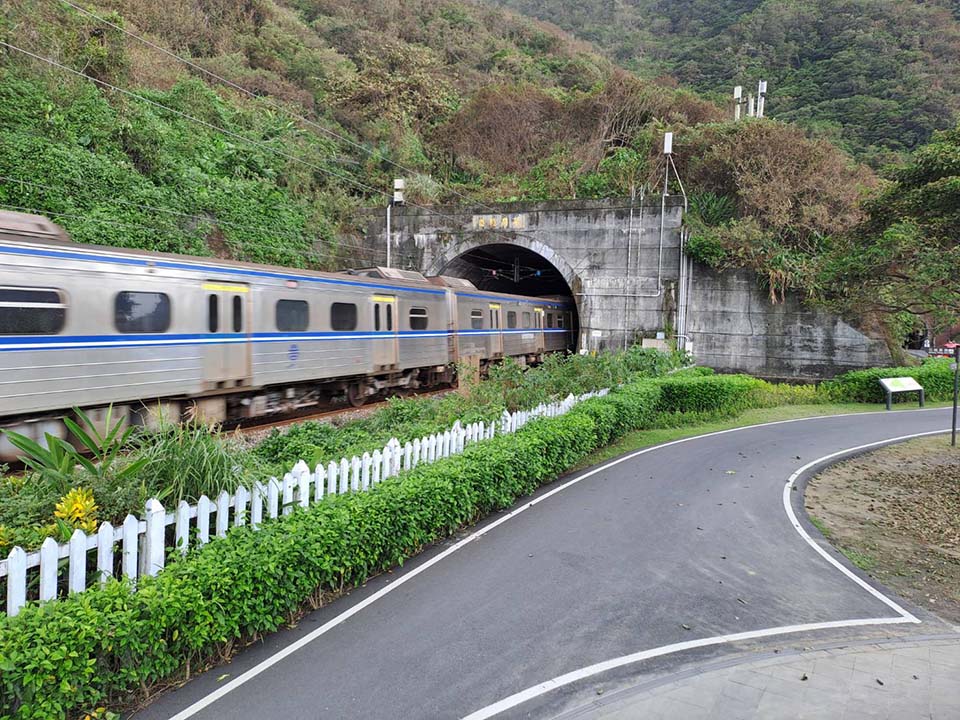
900,385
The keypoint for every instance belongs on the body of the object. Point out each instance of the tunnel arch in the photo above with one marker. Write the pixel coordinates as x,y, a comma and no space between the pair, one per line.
445,261
477,260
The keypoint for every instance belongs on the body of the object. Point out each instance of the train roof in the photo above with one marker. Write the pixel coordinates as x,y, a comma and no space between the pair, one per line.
27,228
38,231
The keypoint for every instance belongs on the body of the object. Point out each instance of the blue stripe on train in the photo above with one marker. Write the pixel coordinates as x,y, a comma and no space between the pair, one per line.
215,269
80,342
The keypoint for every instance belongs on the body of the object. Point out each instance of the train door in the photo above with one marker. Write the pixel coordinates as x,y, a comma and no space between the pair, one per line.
227,356
385,322
538,324
453,339
496,332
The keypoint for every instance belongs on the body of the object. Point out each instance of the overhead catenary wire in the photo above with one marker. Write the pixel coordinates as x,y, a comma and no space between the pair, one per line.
151,228
188,216
276,106
198,121
261,145
229,133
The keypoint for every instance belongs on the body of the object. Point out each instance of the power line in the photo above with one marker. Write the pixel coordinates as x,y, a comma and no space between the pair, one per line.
216,128
229,133
240,88
198,121
118,223
199,218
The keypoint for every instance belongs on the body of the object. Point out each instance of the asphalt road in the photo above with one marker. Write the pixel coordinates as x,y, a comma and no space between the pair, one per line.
687,541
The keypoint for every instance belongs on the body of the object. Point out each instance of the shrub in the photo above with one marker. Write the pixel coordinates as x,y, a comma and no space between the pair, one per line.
710,393
864,385
94,647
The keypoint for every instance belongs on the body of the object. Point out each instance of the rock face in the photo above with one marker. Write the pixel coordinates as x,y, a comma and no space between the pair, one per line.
620,260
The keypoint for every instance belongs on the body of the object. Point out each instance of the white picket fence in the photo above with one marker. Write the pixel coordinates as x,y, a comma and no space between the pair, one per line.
142,542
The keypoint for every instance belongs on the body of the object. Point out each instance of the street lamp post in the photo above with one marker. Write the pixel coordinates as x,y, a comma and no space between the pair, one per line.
395,199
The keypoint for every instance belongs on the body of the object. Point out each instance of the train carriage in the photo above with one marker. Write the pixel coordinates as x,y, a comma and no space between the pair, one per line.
151,333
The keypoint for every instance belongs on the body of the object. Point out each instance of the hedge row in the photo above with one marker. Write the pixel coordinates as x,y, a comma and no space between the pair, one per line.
707,393
91,649
863,386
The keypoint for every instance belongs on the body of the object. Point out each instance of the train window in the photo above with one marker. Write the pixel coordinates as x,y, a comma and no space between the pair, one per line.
476,319
343,316
237,314
376,317
389,318
511,319
418,318
213,313
141,312
526,319
31,311
292,315
559,320
549,320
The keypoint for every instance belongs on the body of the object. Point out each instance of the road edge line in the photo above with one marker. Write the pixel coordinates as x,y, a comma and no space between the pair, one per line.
285,652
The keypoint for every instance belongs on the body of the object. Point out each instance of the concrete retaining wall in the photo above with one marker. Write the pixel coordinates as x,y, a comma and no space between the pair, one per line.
620,259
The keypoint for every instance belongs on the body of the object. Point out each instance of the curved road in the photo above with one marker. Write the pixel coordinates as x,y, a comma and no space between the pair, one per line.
685,551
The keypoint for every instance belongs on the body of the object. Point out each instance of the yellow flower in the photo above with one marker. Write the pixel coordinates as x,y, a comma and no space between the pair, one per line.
78,509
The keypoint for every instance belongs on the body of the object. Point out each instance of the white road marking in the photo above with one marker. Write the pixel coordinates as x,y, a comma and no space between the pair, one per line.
788,506
285,652
583,673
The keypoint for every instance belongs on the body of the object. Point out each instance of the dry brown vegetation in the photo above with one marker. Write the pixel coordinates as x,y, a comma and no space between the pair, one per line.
778,176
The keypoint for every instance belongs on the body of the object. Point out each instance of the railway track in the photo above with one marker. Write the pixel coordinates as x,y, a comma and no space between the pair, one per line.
257,427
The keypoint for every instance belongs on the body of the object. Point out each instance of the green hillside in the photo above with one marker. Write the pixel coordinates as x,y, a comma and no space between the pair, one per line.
288,115
877,78
186,163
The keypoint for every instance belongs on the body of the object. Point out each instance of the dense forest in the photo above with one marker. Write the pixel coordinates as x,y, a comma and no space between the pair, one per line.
876,77
254,130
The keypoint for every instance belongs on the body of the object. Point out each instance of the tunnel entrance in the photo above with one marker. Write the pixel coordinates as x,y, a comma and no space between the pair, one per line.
505,268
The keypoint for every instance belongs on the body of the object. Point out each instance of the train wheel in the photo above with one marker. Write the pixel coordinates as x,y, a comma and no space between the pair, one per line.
356,395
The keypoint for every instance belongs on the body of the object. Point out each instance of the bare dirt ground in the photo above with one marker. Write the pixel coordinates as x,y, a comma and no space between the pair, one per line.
895,513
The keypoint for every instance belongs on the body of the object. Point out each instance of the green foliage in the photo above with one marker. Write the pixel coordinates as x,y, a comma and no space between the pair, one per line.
905,257
92,648
508,387
122,469
863,385
858,72
709,393
185,461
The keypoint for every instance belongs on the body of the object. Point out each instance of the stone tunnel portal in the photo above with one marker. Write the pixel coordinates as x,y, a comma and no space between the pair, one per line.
507,268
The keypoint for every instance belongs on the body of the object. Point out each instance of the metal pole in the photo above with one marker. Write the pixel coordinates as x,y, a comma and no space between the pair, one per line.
956,394
389,207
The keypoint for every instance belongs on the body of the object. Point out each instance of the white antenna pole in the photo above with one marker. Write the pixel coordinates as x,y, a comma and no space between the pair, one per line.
737,102
751,106
761,98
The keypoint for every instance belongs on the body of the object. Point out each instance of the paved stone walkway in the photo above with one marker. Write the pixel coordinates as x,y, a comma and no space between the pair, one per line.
904,680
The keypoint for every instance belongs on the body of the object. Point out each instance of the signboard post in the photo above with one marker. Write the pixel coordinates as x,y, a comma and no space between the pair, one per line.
956,392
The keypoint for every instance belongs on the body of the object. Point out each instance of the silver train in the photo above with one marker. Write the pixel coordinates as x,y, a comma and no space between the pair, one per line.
157,336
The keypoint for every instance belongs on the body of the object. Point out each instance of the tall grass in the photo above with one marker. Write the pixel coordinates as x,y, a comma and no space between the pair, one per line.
185,461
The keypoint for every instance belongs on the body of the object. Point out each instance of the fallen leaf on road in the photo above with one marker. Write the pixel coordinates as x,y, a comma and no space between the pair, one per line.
685,627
